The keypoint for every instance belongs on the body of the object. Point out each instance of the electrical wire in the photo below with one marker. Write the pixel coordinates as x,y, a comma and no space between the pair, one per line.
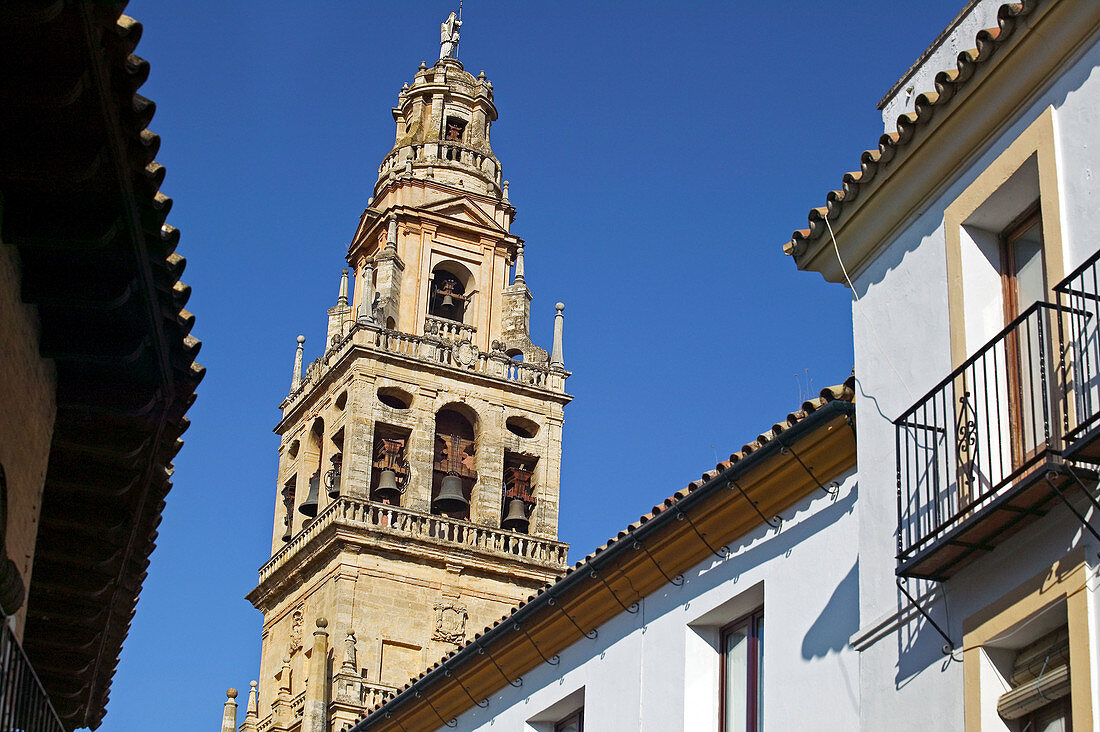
859,306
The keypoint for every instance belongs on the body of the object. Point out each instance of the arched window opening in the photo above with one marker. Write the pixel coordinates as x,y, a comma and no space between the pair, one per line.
288,507
519,493
390,468
456,126
342,401
334,473
394,397
522,427
514,353
312,462
453,476
450,291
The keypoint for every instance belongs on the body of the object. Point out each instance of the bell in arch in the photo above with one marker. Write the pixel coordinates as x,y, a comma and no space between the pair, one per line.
516,517
309,506
388,490
451,499
287,535
448,301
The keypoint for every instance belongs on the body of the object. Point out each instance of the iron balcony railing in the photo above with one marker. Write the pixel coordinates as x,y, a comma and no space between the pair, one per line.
24,705
1080,294
990,422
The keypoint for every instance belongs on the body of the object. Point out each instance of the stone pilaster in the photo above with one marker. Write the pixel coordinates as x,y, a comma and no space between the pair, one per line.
315,708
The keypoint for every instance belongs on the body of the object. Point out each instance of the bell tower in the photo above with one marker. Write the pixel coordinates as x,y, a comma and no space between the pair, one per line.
417,495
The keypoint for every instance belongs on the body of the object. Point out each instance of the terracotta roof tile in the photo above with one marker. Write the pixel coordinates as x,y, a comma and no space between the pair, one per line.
909,125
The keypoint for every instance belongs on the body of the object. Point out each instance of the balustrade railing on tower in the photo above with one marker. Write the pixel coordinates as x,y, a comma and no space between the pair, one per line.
407,522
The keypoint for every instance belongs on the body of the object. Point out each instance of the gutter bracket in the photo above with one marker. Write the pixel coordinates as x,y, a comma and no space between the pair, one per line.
452,723
447,672
833,489
722,553
517,682
672,580
553,660
775,523
632,609
590,635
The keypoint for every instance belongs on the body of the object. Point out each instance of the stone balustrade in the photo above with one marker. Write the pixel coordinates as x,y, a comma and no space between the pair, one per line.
440,150
374,694
450,330
435,350
406,522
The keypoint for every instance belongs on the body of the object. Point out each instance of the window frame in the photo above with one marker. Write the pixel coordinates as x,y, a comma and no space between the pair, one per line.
754,622
576,715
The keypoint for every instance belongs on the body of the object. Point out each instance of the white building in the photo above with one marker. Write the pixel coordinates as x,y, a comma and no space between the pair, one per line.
956,588
966,236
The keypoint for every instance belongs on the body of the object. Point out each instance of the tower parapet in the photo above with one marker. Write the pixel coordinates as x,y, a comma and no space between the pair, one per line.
444,120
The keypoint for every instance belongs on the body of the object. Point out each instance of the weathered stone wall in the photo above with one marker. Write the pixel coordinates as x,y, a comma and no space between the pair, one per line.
27,393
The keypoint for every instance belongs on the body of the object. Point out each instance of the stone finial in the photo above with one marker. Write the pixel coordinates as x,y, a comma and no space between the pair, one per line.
504,191
252,711
556,358
322,623
350,660
296,379
284,681
519,280
422,67
342,298
229,712
481,75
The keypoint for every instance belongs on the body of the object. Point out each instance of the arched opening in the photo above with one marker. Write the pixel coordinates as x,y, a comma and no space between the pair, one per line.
390,467
514,353
453,474
522,427
342,400
450,291
394,397
311,463
519,500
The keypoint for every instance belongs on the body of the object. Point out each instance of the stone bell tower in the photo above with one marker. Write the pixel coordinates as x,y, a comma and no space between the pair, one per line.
419,459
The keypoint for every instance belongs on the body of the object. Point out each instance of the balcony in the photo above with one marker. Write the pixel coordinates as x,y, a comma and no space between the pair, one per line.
999,441
406,523
24,705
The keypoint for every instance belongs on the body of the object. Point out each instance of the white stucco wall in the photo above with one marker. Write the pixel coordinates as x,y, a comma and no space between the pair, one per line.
901,322
657,670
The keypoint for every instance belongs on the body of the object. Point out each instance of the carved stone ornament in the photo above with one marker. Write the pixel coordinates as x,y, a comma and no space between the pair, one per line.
296,623
465,353
450,622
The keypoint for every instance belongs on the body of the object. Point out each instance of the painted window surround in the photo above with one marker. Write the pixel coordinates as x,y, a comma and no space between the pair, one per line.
1038,142
1064,584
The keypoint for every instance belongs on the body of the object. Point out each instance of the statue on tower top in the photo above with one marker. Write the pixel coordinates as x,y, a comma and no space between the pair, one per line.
448,36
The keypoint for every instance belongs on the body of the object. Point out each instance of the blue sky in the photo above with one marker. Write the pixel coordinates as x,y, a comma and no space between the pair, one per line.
659,155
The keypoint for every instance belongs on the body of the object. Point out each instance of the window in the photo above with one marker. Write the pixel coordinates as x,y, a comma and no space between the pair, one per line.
741,696
1023,282
573,723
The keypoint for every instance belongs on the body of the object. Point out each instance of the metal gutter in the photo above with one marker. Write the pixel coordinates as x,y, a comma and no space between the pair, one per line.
812,422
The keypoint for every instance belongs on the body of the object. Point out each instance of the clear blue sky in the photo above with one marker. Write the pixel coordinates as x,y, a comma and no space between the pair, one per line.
659,156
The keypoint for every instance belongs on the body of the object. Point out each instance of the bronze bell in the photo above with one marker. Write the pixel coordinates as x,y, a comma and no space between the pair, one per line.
309,506
288,534
450,499
448,301
516,518
387,490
